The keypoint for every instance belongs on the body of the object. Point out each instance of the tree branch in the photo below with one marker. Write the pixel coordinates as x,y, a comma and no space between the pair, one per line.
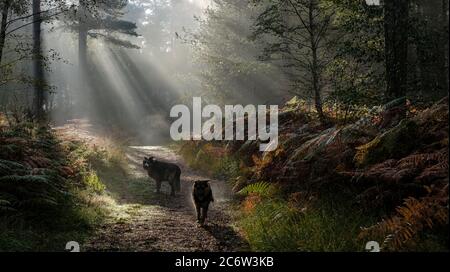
30,23
27,16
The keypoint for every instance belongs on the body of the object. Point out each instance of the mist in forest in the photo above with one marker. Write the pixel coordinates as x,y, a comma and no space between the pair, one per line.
124,86
129,83
123,64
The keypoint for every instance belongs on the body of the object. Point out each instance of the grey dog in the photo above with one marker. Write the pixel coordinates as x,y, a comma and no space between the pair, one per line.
163,171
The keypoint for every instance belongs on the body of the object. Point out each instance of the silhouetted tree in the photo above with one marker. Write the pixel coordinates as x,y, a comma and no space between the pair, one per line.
38,61
300,28
396,14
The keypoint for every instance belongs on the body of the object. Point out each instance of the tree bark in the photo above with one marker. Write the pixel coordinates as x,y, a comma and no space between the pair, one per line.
82,47
82,36
396,13
5,10
38,61
315,68
85,97
316,86
444,63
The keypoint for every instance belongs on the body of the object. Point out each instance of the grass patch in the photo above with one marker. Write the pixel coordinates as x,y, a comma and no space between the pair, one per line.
272,221
273,226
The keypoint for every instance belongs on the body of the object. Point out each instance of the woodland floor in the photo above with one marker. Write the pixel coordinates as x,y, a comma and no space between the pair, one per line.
141,220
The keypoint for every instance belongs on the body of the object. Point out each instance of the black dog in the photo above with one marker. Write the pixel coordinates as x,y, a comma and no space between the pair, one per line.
163,171
202,196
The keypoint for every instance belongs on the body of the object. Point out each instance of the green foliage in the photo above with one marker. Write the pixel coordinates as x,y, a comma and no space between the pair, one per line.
5,206
319,208
296,34
356,72
85,158
9,167
394,143
211,160
228,168
264,189
93,182
105,16
276,226
50,231
223,44
362,29
41,207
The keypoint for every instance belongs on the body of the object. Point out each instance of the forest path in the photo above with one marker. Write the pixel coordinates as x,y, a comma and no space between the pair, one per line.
142,220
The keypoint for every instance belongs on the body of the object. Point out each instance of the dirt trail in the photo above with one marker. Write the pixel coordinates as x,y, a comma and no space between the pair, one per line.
141,220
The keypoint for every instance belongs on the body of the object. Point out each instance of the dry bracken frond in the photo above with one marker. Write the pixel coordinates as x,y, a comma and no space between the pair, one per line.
412,218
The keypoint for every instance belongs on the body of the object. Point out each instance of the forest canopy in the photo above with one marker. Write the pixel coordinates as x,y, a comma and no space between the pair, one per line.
344,53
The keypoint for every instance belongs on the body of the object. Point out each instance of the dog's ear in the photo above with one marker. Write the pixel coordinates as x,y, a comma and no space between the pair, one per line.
145,158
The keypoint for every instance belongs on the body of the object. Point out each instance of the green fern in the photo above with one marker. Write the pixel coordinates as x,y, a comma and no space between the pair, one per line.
10,167
29,186
262,188
7,150
38,202
27,179
5,206
4,202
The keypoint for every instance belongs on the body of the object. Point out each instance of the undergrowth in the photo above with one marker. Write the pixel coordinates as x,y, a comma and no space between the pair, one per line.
274,221
211,160
390,163
50,191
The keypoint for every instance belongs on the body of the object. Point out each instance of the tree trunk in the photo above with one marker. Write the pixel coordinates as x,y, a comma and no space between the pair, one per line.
82,34
5,11
396,13
38,61
82,45
316,86
432,51
444,63
315,69
83,74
